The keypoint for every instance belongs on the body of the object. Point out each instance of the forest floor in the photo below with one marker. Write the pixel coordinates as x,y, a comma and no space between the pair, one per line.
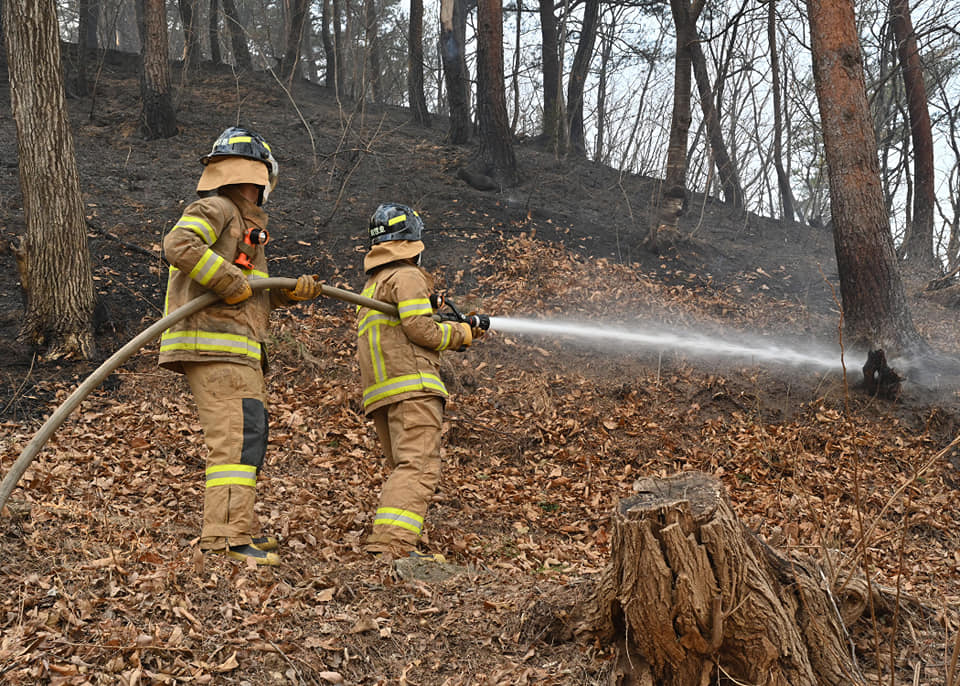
100,580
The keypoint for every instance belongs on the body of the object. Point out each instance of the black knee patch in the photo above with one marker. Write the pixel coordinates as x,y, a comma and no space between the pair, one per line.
255,433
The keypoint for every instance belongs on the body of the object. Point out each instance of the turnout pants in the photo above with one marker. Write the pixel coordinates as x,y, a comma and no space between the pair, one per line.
409,433
231,401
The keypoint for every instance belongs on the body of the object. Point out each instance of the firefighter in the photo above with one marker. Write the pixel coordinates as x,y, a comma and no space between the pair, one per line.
399,359
218,244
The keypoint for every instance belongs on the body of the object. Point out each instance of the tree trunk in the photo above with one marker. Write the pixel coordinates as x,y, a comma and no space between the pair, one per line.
578,75
308,55
690,591
373,49
875,312
674,191
550,59
330,55
191,37
89,13
495,159
418,99
238,37
453,28
291,56
338,43
783,181
726,170
213,27
606,48
158,118
919,241
58,279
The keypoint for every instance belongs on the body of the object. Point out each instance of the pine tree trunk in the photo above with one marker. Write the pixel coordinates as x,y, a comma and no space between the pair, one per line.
56,260
495,158
690,593
238,36
158,118
453,27
191,37
418,99
550,59
213,28
372,40
297,19
330,55
875,311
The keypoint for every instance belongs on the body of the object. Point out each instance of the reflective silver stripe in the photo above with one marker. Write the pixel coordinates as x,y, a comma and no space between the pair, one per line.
410,308
447,331
206,267
198,226
231,475
391,516
210,342
403,384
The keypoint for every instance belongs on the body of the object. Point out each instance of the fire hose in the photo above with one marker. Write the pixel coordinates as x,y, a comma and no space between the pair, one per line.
150,333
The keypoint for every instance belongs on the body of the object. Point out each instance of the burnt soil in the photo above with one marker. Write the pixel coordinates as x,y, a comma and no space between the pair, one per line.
542,437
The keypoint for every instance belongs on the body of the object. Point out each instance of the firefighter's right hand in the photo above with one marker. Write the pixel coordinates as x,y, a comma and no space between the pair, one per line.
307,288
240,292
467,336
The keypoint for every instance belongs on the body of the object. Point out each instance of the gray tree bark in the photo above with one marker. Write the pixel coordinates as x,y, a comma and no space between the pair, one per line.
55,259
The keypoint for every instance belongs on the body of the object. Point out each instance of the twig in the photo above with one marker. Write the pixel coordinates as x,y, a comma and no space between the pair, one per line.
23,383
127,244
952,669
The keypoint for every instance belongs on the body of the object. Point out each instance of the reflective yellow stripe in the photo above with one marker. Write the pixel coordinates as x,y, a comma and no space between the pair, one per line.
396,220
414,307
206,268
368,293
255,273
447,329
405,519
199,226
403,384
208,341
374,318
232,475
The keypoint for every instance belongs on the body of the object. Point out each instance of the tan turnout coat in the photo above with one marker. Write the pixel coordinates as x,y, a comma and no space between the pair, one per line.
399,357
201,249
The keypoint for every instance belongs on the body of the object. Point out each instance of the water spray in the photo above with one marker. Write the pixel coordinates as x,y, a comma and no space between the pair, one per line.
657,338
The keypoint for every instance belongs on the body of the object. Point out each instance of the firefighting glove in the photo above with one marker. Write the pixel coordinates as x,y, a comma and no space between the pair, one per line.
238,293
307,288
467,336
476,329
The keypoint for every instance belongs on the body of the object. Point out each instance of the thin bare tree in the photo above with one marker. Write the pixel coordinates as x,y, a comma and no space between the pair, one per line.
918,244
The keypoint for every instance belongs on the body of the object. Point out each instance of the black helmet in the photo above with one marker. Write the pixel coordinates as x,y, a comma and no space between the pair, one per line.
237,141
393,222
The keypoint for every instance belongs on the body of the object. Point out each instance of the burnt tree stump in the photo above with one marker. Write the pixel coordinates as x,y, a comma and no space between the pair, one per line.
691,597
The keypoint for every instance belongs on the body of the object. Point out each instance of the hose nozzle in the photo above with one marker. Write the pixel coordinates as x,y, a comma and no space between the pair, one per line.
478,321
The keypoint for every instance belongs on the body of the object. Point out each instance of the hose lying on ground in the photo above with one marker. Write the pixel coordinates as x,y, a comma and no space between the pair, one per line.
127,351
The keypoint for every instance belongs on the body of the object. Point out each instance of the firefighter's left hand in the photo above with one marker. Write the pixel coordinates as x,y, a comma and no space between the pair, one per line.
307,288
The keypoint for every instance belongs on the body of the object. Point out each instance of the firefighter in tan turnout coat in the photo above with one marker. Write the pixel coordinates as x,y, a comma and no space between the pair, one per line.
218,244
399,367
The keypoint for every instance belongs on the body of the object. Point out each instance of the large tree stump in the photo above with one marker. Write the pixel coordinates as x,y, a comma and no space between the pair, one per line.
691,596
